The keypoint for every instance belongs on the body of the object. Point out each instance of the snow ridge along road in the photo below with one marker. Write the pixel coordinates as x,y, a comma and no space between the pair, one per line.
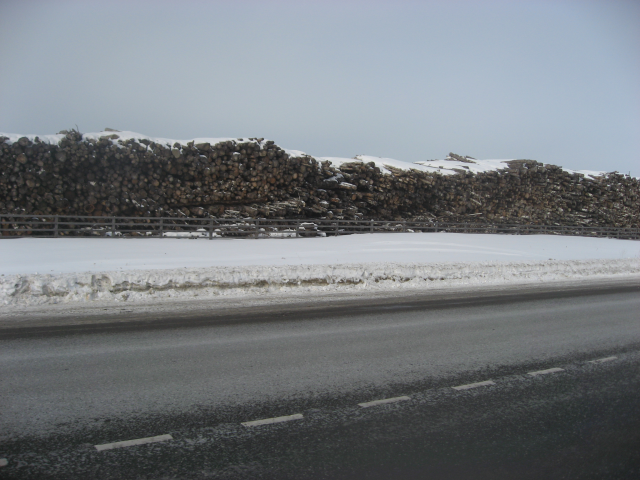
143,270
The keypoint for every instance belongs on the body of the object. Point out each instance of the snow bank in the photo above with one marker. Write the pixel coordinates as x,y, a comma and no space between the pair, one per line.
85,269
137,285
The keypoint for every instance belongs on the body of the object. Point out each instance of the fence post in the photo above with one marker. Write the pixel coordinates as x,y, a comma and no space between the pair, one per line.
257,227
161,227
113,227
297,228
210,228
371,228
55,227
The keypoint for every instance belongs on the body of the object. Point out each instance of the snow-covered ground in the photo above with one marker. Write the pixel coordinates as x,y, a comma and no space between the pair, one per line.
44,271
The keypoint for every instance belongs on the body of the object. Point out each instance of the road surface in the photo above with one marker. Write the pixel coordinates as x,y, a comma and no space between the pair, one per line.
537,385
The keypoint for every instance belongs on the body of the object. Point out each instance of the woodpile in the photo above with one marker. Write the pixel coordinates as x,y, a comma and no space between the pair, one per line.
256,178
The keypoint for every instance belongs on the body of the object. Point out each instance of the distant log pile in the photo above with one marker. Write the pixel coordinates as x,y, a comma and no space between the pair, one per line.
256,178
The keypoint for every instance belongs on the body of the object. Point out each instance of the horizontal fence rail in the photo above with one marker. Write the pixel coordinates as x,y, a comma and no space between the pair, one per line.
215,228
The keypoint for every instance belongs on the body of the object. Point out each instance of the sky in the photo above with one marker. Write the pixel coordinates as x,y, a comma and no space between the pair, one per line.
556,81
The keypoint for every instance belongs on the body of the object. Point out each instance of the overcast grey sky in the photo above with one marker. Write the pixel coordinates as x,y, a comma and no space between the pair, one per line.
556,81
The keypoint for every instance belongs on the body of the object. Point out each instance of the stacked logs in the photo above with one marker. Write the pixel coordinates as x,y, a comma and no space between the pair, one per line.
252,177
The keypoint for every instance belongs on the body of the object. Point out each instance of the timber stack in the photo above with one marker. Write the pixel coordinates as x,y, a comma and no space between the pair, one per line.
108,175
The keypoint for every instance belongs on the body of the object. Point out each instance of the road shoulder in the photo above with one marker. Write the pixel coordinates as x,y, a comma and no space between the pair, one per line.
53,319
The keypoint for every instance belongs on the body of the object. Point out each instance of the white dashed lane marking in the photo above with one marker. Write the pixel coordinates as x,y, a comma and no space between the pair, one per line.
474,385
3,462
383,401
268,421
602,360
545,372
298,416
130,443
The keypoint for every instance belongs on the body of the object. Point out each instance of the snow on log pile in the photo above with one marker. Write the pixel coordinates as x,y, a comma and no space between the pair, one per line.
128,174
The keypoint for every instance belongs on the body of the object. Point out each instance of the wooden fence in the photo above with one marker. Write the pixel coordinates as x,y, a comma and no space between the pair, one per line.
214,228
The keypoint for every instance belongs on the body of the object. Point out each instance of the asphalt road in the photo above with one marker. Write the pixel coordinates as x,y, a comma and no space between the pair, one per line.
64,391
